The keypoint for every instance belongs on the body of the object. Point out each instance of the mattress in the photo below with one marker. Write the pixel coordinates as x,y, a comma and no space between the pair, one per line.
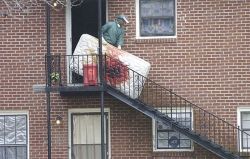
124,71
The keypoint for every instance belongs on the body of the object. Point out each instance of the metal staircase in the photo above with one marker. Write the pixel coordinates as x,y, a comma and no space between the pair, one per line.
209,131
157,115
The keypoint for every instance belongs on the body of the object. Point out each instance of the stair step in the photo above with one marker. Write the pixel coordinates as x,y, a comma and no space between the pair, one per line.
197,137
216,145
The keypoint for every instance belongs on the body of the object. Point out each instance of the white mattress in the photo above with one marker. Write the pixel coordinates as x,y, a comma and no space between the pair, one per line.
133,85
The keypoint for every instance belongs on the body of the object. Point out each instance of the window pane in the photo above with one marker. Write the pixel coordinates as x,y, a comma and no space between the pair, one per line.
169,139
21,129
187,124
182,119
21,152
159,26
168,8
246,143
157,17
161,126
162,135
246,139
151,8
162,143
87,129
183,136
245,115
2,154
10,152
1,130
87,136
176,134
156,8
246,124
185,143
13,130
87,151
10,130
174,141
183,115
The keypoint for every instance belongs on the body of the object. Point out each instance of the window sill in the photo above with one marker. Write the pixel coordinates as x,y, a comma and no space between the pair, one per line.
155,40
180,154
173,150
164,154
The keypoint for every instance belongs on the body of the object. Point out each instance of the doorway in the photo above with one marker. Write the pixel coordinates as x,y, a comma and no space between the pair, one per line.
86,135
85,19
82,19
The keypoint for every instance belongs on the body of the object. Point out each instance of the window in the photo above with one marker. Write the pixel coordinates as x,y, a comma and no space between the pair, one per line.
13,136
85,133
244,123
168,139
157,18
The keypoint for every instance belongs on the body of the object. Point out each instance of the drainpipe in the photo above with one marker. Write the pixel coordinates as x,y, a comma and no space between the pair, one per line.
48,86
103,153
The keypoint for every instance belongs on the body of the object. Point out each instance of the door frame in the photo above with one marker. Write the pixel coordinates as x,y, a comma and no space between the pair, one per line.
84,111
68,28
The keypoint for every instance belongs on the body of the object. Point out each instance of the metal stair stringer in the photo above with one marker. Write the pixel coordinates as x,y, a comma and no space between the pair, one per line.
158,116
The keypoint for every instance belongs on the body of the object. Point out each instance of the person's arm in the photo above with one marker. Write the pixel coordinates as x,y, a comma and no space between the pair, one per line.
105,27
120,40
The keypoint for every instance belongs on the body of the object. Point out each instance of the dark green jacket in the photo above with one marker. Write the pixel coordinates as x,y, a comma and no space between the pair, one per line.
113,34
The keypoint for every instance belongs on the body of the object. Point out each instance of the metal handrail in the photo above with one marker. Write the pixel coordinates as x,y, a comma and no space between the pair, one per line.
70,70
208,125
136,86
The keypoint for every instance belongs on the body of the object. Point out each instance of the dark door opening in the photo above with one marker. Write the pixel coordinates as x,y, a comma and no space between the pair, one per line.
85,20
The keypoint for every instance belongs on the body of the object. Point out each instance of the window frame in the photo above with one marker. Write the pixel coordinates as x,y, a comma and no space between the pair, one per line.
154,129
18,113
87,111
138,36
239,123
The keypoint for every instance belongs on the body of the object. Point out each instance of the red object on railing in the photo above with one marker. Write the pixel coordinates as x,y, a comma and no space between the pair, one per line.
116,72
90,74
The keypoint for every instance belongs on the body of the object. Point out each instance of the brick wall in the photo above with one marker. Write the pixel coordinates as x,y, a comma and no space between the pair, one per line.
22,45
208,63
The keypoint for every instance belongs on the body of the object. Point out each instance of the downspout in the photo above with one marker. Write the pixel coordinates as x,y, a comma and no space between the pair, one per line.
103,153
48,86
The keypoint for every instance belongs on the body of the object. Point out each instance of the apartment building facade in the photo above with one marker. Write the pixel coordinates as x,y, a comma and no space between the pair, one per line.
199,79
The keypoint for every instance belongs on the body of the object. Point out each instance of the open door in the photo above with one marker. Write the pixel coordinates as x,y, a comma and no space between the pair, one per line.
85,19
82,19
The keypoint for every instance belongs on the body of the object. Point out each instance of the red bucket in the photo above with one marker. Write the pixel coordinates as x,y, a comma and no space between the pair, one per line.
90,75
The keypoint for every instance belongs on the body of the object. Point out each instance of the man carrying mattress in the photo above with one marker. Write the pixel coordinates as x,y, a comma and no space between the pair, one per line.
113,32
129,79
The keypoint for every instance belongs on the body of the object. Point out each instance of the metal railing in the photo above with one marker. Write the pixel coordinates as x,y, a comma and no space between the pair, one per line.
208,125
73,70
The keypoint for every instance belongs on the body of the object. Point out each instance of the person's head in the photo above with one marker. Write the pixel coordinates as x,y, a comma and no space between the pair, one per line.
121,19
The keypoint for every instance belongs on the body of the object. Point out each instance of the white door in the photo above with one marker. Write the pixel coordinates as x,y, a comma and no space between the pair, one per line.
86,135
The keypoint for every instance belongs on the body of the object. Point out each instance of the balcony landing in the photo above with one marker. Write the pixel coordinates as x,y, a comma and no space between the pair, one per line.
73,90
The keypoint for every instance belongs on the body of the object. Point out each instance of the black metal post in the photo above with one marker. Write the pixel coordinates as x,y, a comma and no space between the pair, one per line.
49,80
100,41
103,153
